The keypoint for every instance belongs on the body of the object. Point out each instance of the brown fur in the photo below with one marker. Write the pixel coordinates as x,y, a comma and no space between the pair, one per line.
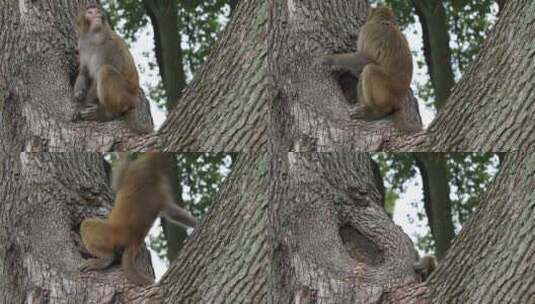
383,64
425,266
143,191
384,83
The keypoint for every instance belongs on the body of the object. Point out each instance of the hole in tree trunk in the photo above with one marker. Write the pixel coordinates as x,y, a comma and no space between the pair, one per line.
359,247
348,83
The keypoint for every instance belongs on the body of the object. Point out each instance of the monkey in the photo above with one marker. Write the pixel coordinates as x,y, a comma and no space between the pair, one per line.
144,190
107,85
383,64
425,266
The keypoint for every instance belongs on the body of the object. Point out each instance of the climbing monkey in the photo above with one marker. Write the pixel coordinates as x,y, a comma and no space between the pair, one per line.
383,64
144,190
425,266
107,85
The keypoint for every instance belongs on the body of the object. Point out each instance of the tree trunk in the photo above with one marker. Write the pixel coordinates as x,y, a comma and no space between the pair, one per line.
436,47
491,260
233,4
227,259
163,17
437,203
38,68
332,240
225,107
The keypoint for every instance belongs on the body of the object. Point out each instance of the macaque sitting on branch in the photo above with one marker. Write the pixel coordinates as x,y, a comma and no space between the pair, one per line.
107,86
383,64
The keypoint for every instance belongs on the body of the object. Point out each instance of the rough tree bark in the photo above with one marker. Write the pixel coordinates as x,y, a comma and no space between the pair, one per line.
46,195
225,107
38,69
332,240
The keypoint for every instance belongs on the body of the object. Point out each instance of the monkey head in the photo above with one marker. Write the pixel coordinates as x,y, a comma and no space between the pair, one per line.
382,13
93,14
91,18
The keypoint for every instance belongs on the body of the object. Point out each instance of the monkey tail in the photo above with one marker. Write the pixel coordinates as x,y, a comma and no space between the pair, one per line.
180,216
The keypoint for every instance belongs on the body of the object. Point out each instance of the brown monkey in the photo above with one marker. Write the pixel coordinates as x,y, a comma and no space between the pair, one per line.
144,190
383,64
107,85
425,266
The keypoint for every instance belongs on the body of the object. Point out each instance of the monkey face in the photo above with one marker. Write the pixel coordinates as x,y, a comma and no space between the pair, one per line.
94,16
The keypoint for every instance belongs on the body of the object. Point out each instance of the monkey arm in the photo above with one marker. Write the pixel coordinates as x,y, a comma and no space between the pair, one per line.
351,62
178,215
81,85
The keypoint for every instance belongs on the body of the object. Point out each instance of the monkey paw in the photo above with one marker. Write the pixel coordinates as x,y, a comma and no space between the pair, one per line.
358,112
88,113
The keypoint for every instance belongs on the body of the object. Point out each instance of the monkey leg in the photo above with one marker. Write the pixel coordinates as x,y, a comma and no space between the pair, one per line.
116,96
375,97
99,263
95,233
129,266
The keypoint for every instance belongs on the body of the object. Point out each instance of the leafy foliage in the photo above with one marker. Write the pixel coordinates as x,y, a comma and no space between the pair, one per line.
200,175
470,175
199,23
